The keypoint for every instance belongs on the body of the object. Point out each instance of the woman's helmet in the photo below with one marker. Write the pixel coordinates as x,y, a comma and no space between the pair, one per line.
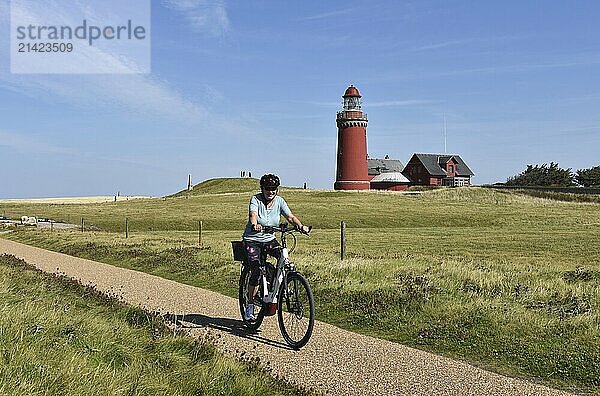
269,181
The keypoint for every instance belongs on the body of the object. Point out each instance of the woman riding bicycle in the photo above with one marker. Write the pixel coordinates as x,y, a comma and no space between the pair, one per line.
265,210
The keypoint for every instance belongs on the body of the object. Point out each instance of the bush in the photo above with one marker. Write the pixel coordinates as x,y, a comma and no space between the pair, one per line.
589,177
543,175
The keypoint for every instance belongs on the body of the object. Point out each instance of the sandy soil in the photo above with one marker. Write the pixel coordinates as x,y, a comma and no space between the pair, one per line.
74,200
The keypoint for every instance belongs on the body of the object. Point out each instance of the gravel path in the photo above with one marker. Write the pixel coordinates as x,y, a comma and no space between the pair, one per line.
335,361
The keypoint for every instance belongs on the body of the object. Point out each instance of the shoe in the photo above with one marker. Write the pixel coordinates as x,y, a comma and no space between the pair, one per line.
249,315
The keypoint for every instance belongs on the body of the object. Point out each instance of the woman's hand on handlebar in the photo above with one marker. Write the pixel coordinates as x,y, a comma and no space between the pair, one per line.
257,227
305,229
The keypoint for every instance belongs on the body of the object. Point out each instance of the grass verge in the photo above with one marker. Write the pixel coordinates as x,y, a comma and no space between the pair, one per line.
505,281
60,338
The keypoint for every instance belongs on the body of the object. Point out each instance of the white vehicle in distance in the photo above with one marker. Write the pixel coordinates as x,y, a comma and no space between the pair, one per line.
29,220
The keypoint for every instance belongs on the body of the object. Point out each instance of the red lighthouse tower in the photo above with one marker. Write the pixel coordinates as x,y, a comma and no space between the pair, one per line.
352,172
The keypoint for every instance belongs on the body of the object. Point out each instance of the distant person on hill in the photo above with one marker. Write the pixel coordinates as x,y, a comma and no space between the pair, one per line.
265,210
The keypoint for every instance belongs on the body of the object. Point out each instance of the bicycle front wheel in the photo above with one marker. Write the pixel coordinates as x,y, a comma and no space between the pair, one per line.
296,310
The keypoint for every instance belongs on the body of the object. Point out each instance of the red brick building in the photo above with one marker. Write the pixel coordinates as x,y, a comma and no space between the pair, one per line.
438,170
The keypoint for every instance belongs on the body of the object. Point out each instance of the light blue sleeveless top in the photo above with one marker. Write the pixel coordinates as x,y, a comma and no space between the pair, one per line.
267,217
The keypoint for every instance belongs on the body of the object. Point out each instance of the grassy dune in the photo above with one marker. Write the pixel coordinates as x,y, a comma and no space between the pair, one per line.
60,338
506,281
220,186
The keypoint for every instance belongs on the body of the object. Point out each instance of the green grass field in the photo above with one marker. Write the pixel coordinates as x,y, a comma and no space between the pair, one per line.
503,280
60,338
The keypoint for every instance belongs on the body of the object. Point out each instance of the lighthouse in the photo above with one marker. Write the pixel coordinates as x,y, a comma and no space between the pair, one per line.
352,171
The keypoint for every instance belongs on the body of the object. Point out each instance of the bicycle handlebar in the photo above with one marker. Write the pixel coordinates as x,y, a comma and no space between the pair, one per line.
283,228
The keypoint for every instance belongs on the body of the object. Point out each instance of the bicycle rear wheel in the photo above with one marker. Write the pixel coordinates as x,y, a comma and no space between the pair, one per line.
296,310
259,312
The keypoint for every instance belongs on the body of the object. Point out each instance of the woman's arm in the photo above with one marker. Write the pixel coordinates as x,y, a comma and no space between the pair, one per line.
253,219
295,221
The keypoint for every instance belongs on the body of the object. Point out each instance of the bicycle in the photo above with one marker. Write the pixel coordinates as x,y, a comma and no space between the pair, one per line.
282,290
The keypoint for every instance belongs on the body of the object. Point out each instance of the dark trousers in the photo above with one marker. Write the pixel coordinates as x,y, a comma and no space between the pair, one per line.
254,252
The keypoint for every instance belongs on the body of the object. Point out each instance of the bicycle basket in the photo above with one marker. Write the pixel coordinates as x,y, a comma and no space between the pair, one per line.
239,253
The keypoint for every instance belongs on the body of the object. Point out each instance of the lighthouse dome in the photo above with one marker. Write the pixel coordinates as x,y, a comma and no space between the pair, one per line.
351,91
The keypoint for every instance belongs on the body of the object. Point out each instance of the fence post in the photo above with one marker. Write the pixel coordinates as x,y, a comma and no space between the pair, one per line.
342,239
51,225
200,233
82,224
126,228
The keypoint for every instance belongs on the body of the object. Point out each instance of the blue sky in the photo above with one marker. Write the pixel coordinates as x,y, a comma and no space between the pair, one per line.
254,85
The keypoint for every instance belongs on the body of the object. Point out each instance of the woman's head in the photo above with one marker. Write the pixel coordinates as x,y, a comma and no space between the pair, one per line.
269,184
269,181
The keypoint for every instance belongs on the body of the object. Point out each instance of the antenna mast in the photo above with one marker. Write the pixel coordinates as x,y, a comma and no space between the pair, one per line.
445,151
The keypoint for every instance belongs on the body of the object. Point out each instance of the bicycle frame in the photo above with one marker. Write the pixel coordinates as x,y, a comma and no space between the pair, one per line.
283,266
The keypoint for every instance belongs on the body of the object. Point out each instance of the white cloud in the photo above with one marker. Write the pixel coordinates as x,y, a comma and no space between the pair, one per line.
33,144
444,44
330,14
562,62
29,145
139,93
105,56
403,103
205,16
131,93
389,103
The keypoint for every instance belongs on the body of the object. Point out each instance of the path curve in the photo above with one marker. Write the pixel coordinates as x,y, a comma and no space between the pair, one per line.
335,361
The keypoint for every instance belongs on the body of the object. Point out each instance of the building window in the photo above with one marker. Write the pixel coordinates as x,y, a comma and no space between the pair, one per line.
450,168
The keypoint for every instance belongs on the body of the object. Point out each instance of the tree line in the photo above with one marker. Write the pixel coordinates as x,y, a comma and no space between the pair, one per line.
552,175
